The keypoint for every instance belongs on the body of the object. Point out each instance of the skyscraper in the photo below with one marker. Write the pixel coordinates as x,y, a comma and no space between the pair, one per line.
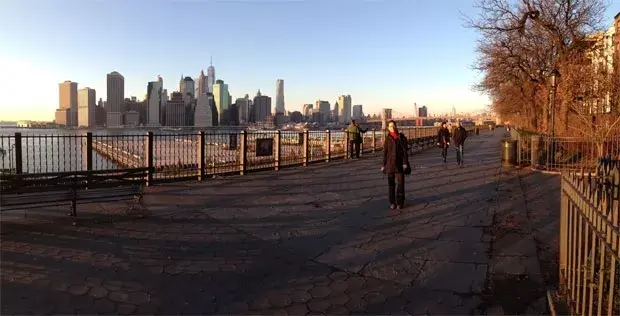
415,110
280,96
202,84
203,114
243,106
186,87
307,110
86,107
344,115
358,112
115,99
222,101
322,107
423,111
211,76
68,100
261,107
175,110
154,94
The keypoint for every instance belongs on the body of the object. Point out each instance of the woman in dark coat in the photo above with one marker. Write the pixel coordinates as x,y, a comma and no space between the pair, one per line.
395,164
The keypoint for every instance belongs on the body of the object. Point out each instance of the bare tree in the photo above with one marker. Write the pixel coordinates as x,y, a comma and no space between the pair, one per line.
522,42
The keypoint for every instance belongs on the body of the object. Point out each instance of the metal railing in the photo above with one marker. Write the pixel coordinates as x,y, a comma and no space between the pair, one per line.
589,241
562,153
170,156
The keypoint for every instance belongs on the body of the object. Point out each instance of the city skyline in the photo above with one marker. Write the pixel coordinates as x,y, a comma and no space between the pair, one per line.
392,62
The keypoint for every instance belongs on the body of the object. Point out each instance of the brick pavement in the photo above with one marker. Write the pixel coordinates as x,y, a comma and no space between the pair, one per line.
321,241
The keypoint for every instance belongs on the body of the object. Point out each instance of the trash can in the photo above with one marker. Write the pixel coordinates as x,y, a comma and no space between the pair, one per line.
509,152
477,131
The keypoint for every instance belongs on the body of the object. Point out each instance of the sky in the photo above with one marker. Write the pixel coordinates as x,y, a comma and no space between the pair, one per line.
384,53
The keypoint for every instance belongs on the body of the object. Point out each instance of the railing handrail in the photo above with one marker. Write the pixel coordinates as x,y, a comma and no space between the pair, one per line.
589,242
224,150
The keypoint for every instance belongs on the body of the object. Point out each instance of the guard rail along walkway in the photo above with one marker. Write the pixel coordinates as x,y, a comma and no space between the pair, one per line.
188,156
589,242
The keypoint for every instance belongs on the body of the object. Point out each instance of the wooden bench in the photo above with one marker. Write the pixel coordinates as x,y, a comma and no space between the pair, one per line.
28,191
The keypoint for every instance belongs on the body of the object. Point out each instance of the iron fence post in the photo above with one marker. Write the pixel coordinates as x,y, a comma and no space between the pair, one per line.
201,157
149,158
277,150
89,156
564,207
519,151
346,145
18,153
328,145
305,145
243,153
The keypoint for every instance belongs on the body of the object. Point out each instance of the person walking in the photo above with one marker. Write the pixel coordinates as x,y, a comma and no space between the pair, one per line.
395,165
443,141
355,139
459,136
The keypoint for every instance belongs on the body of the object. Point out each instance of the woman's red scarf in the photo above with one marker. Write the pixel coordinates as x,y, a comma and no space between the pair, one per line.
394,134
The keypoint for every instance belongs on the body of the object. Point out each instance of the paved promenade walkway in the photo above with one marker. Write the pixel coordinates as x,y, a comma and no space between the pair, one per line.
315,240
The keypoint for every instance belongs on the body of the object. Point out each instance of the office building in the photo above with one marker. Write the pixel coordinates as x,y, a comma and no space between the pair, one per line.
358,112
222,101
202,113
186,87
423,111
87,99
154,95
243,107
334,113
280,96
62,116
134,105
115,99
344,110
68,99
324,108
131,118
307,110
202,84
261,107
175,110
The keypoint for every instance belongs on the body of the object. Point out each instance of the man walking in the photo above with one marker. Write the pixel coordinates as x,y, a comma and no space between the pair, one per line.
459,136
443,140
355,138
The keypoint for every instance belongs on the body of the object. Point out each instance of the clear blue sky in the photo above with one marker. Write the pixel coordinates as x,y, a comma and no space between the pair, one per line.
388,53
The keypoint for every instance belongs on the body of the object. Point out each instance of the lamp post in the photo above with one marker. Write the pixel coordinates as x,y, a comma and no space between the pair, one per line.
555,75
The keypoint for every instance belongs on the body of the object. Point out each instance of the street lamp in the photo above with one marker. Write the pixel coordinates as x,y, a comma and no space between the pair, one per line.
555,75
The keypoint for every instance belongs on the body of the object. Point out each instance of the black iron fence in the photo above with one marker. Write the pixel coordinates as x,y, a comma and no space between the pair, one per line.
590,241
189,155
563,153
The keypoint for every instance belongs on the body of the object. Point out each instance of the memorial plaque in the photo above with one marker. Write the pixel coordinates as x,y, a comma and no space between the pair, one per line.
264,147
232,141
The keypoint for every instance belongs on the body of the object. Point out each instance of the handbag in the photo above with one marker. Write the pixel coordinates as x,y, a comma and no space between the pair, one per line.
407,170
